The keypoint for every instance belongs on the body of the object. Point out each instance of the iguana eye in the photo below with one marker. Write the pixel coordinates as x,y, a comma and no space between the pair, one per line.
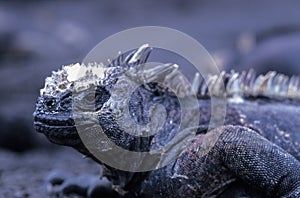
89,99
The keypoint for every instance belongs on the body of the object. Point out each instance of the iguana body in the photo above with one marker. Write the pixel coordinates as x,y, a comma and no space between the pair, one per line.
257,151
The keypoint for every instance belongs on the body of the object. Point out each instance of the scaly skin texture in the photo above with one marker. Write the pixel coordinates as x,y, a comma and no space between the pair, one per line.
256,153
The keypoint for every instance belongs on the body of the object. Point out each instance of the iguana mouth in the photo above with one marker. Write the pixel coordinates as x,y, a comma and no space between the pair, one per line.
64,128
42,127
67,121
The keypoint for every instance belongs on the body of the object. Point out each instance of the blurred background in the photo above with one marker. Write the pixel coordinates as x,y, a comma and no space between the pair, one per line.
37,37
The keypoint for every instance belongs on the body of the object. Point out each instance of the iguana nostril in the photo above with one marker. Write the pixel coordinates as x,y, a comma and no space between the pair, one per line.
50,102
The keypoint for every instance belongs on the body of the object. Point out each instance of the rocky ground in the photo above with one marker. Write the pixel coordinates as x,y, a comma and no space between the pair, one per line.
23,175
37,37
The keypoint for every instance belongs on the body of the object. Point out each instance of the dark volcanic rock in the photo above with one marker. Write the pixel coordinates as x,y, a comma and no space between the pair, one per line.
266,51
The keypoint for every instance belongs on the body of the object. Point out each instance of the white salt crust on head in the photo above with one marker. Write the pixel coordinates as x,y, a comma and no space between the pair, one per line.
65,78
82,76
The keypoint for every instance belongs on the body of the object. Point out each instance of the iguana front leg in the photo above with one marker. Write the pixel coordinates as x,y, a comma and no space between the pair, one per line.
248,156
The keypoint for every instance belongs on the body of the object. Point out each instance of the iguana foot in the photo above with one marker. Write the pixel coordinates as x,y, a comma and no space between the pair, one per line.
61,184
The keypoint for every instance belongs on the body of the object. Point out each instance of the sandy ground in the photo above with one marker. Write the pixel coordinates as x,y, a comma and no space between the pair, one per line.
39,36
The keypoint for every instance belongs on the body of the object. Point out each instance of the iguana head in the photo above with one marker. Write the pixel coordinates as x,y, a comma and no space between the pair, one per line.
54,109
92,85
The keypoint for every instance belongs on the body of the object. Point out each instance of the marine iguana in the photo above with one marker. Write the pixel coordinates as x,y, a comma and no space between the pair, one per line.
257,151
